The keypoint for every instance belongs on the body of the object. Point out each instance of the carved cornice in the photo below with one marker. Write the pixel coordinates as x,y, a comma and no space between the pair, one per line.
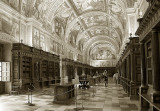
150,20
130,47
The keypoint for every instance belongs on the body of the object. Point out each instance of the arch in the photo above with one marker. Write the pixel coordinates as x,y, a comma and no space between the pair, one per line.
79,37
86,52
104,38
92,41
100,45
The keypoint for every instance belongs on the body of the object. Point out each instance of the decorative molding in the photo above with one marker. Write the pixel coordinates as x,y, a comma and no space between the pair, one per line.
150,20
8,38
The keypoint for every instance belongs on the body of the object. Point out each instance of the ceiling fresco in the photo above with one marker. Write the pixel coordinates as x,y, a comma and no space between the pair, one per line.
95,20
102,54
89,5
92,26
97,46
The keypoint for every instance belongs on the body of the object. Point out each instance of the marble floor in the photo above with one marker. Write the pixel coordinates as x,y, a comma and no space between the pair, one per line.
97,98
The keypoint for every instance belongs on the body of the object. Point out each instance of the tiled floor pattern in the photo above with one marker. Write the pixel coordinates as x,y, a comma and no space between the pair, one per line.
111,98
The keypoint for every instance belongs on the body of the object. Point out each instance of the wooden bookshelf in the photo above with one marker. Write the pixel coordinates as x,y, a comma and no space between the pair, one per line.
57,72
51,69
44,69
33,65
26,67
129,68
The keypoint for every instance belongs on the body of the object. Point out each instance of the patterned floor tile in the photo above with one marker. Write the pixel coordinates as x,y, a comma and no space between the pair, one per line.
97,98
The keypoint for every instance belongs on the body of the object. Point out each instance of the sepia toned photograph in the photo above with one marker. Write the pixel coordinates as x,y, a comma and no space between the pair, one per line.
79,55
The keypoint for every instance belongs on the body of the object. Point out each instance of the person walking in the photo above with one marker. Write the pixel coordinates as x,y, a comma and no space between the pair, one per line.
105,78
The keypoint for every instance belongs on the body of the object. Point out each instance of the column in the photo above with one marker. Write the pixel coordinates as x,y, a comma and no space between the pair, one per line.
143,87
76,75
65,74
29,36
143,66
127,69
131,76
76,72
155,66
128,75
120,67
132,67
83,71
61,71
123,67
129,59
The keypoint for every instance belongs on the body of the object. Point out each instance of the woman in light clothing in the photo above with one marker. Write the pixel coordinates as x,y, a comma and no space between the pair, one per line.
115,78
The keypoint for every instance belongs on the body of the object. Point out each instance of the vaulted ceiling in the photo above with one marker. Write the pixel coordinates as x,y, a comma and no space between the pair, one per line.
88,25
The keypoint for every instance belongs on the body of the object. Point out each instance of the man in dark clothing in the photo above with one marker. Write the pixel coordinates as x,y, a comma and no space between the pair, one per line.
105,78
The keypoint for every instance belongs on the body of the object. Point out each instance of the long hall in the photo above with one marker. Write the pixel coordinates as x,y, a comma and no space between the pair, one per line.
60,54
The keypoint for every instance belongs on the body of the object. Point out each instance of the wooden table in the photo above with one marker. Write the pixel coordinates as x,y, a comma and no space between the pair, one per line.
63,93
92,81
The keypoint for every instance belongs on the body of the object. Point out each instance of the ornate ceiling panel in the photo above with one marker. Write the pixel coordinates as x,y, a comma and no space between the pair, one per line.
63,11
95,20
81,44
101,44
71,18
130,3
73,34
89,5
99,31
116,7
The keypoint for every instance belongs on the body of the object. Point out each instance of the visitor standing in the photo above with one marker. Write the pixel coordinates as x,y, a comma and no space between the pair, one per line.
116,77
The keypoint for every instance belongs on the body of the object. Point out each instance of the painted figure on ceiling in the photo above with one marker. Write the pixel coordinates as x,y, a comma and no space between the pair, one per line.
102,55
